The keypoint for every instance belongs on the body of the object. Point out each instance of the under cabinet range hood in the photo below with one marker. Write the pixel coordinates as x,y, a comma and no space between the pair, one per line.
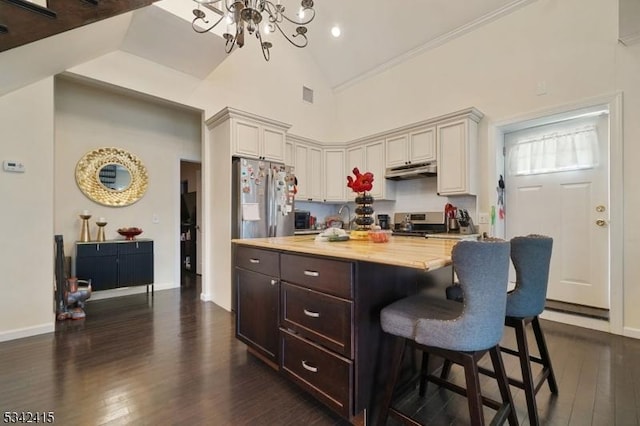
411,171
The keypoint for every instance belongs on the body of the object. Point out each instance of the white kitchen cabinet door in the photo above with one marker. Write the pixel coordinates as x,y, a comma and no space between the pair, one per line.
315,176
397,150
355,158
301,171
422,145
308,170
375,163
456,155
273,144
246,139
258,141
289,153
335,178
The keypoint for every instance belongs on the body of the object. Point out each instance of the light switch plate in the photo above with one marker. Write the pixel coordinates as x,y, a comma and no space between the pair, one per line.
483,218
13,166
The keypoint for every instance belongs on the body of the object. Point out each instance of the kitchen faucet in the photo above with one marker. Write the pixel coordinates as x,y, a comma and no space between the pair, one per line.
344,206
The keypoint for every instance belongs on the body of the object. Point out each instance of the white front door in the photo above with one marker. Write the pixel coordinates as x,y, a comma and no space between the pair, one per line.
571,206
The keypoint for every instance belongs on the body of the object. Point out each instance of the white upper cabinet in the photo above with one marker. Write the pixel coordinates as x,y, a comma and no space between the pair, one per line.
369,156
289,153
417,146
422,145
457,154
251,135
258,140
308,171
335,182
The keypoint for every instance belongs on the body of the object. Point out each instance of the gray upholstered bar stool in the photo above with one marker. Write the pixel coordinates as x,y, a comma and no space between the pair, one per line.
460,332
531,257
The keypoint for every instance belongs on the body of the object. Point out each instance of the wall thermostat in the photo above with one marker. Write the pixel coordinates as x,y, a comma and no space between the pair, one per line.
13,166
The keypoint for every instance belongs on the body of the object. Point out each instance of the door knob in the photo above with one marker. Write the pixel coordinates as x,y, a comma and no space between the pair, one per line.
601,222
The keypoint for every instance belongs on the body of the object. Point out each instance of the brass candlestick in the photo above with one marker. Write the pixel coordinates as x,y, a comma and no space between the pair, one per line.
84,233
101,226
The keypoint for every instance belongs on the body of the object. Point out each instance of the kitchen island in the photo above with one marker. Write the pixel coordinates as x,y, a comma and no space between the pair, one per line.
310,309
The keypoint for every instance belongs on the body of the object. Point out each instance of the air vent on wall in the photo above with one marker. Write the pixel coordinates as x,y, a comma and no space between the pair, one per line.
307,94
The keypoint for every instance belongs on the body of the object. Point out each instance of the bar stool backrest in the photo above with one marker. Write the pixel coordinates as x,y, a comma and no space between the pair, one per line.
531,257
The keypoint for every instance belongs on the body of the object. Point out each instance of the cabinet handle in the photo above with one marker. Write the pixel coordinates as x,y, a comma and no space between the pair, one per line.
311,313
274,282
309,367
254,260
312,273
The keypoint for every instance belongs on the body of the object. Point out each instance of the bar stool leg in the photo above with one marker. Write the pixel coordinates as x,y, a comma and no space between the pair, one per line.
398,349
474,396
525,366
424,372
503,383
544,354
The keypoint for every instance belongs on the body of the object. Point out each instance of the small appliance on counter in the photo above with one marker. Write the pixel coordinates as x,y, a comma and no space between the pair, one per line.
384,221
302,219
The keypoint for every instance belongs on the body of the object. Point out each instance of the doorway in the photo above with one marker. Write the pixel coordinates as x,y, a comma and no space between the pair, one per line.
575,204
557,185
190,223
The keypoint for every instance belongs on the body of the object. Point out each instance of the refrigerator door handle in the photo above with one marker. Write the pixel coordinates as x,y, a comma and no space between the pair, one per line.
271,203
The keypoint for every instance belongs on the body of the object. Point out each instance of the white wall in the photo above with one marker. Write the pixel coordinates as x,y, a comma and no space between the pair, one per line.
89,117
26,221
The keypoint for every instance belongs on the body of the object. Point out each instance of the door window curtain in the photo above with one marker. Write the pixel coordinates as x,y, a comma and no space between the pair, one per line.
555,152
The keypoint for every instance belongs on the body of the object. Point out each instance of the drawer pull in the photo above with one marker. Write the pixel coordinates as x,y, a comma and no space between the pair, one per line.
274,282
254,260
309,367
311,314
312,273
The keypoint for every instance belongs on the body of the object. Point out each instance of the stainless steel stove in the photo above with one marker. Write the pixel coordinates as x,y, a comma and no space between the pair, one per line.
422,224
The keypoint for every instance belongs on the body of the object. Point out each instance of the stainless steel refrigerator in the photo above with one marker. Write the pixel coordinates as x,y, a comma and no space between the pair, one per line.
263,199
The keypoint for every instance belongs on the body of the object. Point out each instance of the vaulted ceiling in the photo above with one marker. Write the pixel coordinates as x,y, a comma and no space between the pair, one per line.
375,35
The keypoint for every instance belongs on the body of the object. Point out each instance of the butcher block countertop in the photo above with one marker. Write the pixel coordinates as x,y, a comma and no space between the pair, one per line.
418,253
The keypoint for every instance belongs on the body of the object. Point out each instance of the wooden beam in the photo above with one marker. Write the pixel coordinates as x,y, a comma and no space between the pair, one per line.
33,7
28,26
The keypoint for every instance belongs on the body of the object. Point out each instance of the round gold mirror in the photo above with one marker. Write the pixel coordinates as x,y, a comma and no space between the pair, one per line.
112,177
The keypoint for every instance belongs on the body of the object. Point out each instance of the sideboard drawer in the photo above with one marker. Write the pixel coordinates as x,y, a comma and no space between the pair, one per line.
329,276
263,261
324,374
317,316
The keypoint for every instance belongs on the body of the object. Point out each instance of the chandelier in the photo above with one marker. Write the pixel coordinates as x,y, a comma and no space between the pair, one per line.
241,15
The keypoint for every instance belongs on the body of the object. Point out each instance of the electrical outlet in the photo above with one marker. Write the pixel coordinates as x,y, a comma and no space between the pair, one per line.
155,218
483,218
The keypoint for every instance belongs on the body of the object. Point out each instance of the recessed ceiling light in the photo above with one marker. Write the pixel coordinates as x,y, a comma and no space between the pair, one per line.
335,31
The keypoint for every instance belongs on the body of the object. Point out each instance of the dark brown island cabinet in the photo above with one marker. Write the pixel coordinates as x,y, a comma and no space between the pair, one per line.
315,319
115,264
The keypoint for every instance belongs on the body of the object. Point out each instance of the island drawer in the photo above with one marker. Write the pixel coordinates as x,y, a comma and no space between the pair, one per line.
257,260
329,276
322,373
320,317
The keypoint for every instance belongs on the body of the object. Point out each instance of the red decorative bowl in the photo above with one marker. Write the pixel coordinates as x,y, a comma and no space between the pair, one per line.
129,233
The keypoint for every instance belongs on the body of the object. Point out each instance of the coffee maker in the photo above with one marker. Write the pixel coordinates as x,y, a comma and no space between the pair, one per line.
384,221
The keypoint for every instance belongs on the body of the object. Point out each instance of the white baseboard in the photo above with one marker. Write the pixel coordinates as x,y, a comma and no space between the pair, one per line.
631,332
126,291
577,320
27,331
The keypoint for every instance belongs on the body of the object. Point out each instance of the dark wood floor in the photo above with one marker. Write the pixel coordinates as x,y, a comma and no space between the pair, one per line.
171,359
